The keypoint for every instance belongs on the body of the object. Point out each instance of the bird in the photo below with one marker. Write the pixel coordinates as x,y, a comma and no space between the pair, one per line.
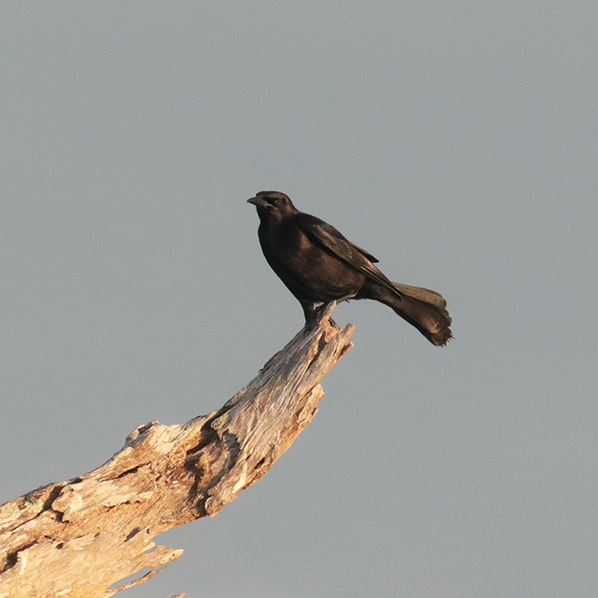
319,265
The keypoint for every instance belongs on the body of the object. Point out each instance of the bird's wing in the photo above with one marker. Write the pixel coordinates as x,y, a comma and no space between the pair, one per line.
332,239
366,253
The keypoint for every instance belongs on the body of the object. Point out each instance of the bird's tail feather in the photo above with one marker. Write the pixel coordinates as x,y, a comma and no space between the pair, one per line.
423,308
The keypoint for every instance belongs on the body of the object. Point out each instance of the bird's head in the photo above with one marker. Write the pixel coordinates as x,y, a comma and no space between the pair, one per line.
272,205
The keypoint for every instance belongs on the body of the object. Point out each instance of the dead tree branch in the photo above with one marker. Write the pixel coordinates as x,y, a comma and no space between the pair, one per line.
80,538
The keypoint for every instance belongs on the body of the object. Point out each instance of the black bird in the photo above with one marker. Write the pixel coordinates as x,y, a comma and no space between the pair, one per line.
319,265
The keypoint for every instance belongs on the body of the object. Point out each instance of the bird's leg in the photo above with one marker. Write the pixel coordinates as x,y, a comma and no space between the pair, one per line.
325,310
315,315
311,314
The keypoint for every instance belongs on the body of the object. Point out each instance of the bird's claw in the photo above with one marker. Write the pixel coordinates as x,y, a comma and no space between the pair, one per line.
319,315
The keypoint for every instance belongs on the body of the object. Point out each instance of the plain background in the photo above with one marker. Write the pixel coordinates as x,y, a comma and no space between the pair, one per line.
455,140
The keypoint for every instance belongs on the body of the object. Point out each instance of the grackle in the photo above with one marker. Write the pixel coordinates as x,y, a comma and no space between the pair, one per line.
319,265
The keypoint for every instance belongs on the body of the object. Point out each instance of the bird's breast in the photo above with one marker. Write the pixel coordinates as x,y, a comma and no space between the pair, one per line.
309,270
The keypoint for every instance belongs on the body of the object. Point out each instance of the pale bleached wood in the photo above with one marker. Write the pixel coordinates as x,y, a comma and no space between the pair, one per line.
78,539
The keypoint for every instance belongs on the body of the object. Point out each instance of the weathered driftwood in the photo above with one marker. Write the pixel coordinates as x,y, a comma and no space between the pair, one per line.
80,538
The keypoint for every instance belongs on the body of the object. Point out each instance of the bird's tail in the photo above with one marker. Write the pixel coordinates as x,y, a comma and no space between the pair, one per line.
423,308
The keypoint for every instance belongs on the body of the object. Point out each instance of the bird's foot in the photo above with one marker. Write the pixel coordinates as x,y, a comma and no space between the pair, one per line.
324,312
316,315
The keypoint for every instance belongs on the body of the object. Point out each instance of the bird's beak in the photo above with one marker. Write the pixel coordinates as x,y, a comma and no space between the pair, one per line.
257,201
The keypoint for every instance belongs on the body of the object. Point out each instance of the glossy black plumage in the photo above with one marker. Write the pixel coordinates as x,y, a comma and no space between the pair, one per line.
318,265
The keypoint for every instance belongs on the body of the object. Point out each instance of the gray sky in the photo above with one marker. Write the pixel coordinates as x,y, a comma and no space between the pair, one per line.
456,141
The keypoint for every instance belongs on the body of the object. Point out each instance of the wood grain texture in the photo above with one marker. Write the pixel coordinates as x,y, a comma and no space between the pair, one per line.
80,538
